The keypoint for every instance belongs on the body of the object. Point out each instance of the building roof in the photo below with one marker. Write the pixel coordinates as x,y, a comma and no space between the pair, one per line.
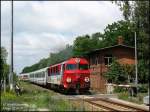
119,45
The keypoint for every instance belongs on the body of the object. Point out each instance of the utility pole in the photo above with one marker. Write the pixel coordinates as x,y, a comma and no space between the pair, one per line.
11,51
136,70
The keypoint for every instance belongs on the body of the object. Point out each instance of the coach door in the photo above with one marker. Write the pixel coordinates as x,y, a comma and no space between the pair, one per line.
62,70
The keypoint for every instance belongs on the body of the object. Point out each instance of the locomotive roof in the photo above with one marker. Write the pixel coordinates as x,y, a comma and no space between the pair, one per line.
70,60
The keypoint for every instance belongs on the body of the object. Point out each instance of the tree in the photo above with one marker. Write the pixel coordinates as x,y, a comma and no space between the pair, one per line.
4,65
138,13
111,33
130,72
143,73
96,40
116,74
82,45
52,59
86,43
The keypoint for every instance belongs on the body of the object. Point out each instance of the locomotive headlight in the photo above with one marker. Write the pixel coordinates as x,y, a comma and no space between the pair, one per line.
86,79
68,79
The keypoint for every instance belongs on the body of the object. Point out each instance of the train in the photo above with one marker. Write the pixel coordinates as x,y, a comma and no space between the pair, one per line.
24,77
72,73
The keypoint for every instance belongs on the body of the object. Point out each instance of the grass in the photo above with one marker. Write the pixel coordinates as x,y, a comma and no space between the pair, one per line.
138,99
123,93
35,97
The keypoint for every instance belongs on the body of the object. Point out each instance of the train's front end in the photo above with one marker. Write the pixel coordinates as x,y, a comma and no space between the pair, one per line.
76,74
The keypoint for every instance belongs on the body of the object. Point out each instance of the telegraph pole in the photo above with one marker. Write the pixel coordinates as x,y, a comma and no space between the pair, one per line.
11,51
136,70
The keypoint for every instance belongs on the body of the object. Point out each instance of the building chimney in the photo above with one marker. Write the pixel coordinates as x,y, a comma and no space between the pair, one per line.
120,40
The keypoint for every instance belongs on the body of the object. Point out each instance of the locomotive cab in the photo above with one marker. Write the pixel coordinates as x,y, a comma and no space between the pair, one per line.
76,74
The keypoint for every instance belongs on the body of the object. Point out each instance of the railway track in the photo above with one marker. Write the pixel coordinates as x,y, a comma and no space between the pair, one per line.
106,104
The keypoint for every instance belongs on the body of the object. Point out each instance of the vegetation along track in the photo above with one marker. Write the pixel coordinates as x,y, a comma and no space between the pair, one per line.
107,104
110,105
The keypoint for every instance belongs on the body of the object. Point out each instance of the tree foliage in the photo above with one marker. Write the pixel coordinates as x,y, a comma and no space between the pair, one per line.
120,28
120,73
52,59
86,43
116,74
4,65
138,13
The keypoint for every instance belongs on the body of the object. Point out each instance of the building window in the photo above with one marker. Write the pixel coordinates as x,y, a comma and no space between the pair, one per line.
108,60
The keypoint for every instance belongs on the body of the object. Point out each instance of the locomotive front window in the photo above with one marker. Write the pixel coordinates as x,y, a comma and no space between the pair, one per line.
71,66
83,66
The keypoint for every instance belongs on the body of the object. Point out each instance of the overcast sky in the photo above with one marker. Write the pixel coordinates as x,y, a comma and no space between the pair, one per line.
44,27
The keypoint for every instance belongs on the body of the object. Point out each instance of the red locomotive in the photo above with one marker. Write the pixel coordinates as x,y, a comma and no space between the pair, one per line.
71,74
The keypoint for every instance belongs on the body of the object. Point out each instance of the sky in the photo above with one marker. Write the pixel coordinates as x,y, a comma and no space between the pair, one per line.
42,27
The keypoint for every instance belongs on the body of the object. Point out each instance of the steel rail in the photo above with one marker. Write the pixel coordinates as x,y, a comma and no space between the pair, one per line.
124,105
94,101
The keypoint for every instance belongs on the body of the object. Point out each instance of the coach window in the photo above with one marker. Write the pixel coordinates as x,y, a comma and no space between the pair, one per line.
42,74
63,67
36,74
56,69
108,60
52,70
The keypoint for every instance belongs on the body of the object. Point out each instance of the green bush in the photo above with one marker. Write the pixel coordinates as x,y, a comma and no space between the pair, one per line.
119,89
116,73
143,88
123,95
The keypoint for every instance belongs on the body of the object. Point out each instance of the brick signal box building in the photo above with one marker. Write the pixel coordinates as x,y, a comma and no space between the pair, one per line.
101,59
